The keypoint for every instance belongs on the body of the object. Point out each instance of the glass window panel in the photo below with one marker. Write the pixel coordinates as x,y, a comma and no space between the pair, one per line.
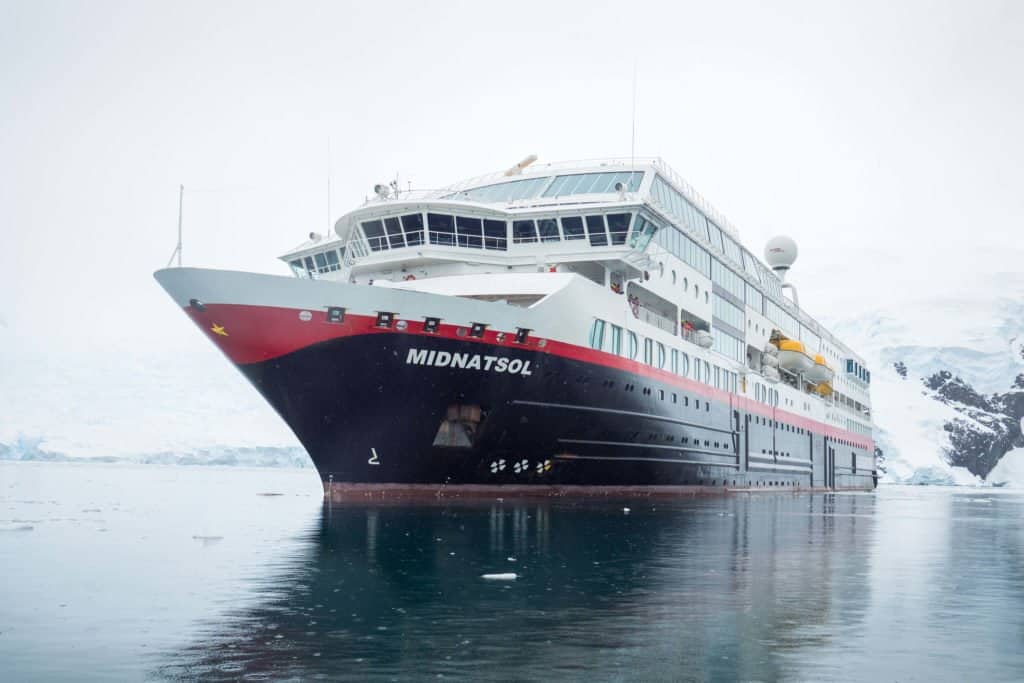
572,227
412,224
596,232
321,262
374,231
523,231
548,229
393,228
495,234
441,228
469,232
716,235
555,188
332,260
618,227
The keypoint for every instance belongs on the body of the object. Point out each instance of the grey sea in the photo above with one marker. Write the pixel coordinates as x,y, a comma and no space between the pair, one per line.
117,572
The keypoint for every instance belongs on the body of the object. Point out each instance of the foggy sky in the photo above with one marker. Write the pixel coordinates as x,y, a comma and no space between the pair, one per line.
884,137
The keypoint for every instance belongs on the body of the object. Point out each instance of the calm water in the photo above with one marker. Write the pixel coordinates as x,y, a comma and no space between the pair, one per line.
114,572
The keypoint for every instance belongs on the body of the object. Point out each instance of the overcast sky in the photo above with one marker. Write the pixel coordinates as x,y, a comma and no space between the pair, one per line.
885,137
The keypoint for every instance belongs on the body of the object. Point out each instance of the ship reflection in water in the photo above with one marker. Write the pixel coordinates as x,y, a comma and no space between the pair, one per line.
755,587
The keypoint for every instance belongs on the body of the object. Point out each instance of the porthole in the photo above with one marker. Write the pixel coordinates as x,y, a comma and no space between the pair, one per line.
706,297
661,269
696,291
686,283
673,277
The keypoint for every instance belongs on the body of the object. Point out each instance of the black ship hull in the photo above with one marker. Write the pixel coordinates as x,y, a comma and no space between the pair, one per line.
367,413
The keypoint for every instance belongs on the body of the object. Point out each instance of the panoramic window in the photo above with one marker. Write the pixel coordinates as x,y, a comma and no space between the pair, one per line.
503,192
593,183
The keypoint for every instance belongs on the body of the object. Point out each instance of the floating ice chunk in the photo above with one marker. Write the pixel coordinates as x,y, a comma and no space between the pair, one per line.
508,576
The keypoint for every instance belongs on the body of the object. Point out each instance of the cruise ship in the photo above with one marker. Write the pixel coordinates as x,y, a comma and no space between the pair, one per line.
581,326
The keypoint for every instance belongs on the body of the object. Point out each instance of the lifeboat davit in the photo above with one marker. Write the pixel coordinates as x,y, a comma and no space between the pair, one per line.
821,372
793,357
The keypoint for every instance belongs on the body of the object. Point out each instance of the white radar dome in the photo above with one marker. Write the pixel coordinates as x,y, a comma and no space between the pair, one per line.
780,253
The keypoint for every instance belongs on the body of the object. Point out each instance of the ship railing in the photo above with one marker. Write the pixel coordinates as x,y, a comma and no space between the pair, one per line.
652,317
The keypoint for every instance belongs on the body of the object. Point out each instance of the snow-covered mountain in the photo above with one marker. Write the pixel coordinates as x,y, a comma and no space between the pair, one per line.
190,407
948,382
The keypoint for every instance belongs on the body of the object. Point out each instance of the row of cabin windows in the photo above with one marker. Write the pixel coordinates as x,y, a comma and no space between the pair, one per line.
781,426
316,264
485,233
857,370
625,343
766,395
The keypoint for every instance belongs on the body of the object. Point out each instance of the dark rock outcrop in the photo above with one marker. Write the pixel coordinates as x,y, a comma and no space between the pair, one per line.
990,426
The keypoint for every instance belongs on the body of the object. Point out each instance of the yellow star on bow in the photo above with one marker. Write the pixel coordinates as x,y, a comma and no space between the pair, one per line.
219,329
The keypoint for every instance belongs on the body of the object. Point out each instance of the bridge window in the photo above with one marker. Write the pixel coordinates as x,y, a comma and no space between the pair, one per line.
441,228
523,231
495,235
332,260
572,228
548,229
469,232
298,268
374,231
413,227
393,228
596,231
618,227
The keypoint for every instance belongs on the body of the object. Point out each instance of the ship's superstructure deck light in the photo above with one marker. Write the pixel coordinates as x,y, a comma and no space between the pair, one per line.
335,314
385,319
477,330
431,325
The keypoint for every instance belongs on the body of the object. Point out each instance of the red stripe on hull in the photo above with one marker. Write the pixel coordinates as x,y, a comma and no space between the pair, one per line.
254,334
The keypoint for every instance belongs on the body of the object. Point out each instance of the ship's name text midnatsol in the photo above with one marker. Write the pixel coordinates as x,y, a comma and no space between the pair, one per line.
468,361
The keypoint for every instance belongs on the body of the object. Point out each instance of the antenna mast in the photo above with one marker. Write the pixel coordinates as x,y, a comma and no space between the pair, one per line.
632,140
181,201
328,185
177,249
